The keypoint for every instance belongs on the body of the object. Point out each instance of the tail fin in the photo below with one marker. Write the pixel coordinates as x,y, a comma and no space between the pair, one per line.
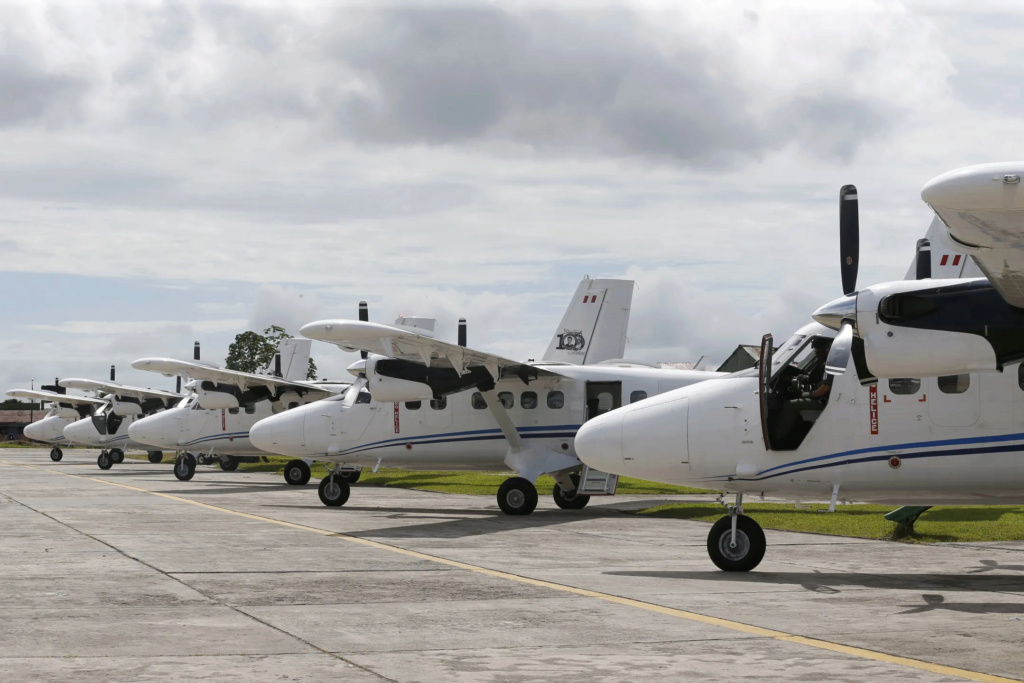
947,259
294,359
593,328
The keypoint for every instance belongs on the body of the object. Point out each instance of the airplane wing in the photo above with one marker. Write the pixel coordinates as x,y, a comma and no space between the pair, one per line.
402,344
52,397
983,210
242,380
119,390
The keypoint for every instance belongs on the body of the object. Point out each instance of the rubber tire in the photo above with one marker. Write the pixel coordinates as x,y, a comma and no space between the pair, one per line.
352,476
296,473
517,496
185,467
156,457
229,463
118,455
576,502
751,544
341,495
56,454
105,461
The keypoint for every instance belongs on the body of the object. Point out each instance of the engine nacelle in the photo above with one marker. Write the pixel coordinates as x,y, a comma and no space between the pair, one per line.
385,388
124,408
910,330
215,400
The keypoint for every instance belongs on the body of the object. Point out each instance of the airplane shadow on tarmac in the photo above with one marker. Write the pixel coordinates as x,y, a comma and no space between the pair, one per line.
820,582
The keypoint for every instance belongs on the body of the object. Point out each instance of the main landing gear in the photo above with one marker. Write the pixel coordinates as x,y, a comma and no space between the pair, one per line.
109,458
573,500
296,473
185,466
334,488
736,543
517,496
229,463
155,456
56,454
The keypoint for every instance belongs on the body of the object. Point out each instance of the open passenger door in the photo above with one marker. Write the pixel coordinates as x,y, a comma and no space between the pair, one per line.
764,376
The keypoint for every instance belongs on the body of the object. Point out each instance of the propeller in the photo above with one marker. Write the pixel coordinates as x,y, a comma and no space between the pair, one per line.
924,260
364,316
845,310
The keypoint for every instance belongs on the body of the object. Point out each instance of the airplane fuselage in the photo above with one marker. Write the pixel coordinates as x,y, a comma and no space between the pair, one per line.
50,429
934,440
459,431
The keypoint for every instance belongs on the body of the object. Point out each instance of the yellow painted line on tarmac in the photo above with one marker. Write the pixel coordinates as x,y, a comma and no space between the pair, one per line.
740,627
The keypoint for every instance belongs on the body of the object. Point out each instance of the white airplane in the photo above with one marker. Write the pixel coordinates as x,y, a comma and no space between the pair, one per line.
64,410
929,413
107,428
428,404
213,422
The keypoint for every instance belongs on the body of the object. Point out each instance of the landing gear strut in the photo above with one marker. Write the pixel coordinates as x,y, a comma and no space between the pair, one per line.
185,466
334,490
736,543
296,473
56,454
105,461
517,496
573,500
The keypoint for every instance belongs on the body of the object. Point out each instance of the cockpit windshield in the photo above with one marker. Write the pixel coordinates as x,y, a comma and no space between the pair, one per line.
785,353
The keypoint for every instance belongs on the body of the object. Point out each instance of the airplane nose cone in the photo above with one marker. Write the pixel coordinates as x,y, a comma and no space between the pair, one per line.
34,431
599,442
79,432
150,431
282,434
984,187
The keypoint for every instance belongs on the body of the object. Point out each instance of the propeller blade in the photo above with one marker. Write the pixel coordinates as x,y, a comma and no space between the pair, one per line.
364,316
839,354
849,237
924,259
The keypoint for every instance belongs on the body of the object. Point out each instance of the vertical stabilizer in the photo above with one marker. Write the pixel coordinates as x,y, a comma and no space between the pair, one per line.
593,328
948,259
294,359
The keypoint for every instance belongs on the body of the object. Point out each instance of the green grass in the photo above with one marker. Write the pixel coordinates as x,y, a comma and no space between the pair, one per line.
940,524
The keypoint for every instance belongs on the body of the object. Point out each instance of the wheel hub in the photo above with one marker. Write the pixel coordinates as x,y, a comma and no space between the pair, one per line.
734,553
516,498
332,490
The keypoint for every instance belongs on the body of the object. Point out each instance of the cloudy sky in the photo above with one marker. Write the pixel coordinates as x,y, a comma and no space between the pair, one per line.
172,172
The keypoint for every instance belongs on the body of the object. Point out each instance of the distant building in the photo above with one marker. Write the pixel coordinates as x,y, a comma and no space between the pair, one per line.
12,422
742,358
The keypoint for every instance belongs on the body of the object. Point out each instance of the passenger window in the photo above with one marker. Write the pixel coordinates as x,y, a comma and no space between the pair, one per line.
439,403
363,397
507,399
413,405
637,396
954,384
477,401
528,400
233,411
556,399
904,385
250,409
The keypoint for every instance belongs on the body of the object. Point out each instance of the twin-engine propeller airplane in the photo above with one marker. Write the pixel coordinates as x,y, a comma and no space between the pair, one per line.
213,421
64,410
107,428
929,413
421,403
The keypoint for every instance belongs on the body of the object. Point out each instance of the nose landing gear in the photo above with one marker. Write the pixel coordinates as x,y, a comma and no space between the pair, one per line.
105,461
56,454
185,466
736,543
334,490
297,473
